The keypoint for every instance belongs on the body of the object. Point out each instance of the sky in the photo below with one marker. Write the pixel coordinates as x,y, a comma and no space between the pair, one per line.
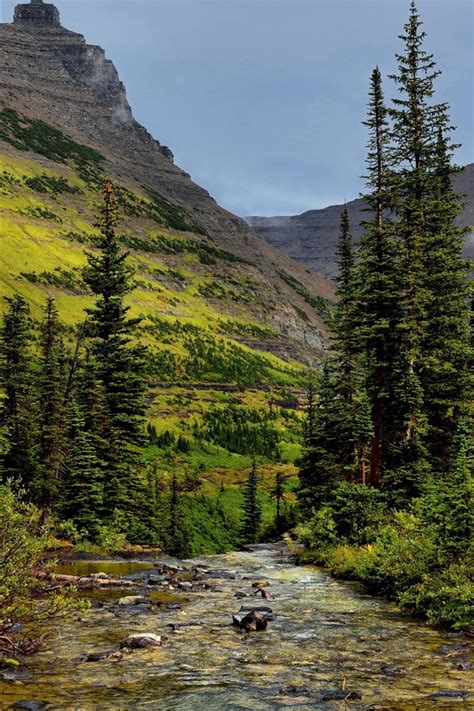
261,101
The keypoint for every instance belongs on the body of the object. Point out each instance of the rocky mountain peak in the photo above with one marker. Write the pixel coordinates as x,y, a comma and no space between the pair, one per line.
37,14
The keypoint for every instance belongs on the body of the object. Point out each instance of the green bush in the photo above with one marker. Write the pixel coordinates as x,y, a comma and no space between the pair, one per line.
25,602
445,597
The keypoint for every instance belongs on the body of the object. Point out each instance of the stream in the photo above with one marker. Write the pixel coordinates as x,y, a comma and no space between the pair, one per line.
328,646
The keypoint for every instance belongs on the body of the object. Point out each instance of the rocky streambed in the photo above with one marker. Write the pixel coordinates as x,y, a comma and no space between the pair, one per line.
244,630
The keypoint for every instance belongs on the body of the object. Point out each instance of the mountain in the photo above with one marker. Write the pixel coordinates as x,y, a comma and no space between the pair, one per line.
230,323
311,238
50,74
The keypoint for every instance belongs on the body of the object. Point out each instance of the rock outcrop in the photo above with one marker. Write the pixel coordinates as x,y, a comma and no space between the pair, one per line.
37,13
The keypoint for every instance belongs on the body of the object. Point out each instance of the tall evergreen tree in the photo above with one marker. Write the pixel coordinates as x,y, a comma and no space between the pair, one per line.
446,347
413,154
277,494
178,543
52,387
377,278
252,509
120,365
19,412
82,500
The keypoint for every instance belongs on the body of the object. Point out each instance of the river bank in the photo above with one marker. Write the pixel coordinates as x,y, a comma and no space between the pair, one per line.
327,643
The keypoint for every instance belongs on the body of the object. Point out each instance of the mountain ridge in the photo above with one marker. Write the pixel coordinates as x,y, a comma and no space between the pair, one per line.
311,237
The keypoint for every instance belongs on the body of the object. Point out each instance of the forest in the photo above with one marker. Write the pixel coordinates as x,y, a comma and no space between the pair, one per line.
384,491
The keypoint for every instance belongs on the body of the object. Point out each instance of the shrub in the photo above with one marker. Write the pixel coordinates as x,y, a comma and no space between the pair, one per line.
26,601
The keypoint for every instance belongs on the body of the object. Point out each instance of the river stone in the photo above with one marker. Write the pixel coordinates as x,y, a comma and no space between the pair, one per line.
461,694
99,576
141,641
185,585
155,579
252,622
28,705
133,600
239,594
110,654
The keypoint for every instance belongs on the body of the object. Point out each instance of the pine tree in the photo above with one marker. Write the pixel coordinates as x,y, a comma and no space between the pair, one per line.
120,365
413,151
252,509
348,376
20,409
52,387
277,494
446,348
377,277
83,497
178,543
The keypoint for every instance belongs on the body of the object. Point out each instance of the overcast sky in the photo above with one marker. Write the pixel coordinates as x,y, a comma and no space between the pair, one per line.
261,100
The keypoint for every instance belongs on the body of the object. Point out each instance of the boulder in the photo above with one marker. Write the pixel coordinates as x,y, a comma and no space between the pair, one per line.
185,585
133,600
239,594
141,641
251,622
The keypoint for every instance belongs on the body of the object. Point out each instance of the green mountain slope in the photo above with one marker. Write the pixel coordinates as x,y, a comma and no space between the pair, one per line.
230,323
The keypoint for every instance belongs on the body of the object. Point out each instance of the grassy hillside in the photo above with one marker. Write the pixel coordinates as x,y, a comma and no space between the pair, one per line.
220,369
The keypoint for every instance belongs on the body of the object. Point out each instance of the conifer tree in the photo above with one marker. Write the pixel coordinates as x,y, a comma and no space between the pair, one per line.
120,365
83,497
446,347
178,543
319,466
252,509
347,379
413,152
377,278
277,494
430,372
52,387
19,412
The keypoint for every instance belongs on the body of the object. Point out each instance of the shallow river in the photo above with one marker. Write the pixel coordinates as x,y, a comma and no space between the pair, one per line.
329,646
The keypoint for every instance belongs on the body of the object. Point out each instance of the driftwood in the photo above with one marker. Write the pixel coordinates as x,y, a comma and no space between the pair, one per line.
84,582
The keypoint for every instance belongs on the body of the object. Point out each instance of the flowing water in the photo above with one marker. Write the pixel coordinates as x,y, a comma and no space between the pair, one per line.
328,643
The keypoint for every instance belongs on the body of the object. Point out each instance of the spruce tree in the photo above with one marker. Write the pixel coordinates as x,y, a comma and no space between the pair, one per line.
120,365
52,388
277,494
348,377
83,497
413,151
446,347
177,539
252,509
377,279
20,407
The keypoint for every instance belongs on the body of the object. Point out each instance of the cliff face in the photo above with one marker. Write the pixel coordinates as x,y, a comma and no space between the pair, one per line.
311,238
